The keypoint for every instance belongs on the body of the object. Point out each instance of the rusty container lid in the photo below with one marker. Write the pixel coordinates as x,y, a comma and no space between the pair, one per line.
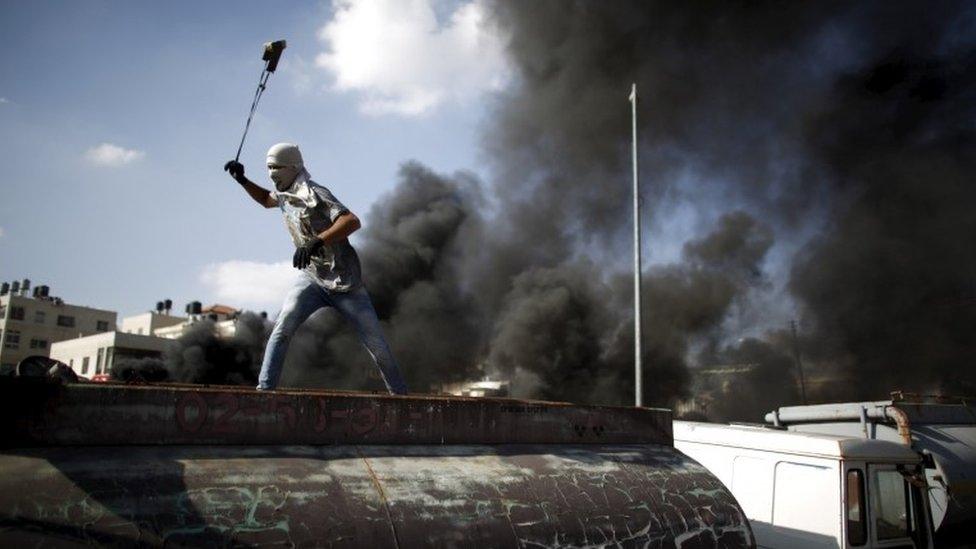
44,413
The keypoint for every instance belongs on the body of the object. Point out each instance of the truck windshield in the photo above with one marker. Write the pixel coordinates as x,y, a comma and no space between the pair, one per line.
889,503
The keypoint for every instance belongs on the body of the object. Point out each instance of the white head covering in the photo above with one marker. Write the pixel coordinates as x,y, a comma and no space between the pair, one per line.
288,162
285,154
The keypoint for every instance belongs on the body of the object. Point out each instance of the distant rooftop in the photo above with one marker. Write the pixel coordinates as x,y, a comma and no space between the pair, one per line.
219,309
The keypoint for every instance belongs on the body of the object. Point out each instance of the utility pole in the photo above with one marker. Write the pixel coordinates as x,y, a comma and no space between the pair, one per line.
799,365
638,385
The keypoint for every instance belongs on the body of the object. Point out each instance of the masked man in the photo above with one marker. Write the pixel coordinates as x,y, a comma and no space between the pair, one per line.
320,226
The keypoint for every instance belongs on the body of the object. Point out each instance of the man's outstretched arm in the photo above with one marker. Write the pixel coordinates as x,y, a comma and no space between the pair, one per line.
260,195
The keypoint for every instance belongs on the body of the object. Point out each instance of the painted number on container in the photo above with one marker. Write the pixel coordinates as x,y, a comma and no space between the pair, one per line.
195,401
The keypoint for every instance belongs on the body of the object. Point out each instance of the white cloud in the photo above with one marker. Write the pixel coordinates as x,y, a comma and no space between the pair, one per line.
400,60
112,156
249,284
1,232
4,100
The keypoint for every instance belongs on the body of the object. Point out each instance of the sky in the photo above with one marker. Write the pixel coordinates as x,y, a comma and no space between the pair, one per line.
116,119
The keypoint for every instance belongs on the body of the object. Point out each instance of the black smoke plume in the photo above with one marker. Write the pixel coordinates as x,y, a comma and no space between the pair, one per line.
800,160
889,288
846,128
825,149
417,243
140,370
202,355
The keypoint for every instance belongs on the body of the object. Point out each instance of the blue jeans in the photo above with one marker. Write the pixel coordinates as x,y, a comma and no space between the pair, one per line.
306,297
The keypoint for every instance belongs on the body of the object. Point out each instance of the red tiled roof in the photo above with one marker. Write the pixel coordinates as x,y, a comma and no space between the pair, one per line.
219,309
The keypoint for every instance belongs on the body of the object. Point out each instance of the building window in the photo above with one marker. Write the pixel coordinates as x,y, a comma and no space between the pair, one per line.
101,325
3,310
66,321
16,313
98,360
39,317
12,341
38,344
84,366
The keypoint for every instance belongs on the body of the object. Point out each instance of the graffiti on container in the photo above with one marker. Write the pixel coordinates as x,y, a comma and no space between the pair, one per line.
524,409
216,414
194,414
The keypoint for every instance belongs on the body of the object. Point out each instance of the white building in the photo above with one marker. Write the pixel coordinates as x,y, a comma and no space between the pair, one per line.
224,318
149,323
88,339
144,335
95,354
31,323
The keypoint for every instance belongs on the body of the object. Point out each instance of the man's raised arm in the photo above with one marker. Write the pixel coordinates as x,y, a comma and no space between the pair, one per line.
260,195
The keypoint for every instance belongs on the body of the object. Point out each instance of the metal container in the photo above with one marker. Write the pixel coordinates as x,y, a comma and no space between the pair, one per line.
172,465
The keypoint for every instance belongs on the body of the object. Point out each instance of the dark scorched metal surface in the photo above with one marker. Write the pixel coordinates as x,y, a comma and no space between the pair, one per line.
354,493
41,413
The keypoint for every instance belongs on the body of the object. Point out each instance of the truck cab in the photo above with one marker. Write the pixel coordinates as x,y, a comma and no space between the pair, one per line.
804,490
942,429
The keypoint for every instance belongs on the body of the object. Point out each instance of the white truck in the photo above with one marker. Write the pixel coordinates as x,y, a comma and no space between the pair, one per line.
941,429
803,490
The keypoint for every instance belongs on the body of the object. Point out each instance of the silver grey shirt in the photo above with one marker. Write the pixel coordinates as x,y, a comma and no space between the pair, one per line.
309,209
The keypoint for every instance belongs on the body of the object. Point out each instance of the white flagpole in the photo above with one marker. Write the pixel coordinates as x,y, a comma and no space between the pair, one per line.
638,385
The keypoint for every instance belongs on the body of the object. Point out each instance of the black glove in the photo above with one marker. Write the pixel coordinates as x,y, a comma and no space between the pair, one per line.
236,170
303,255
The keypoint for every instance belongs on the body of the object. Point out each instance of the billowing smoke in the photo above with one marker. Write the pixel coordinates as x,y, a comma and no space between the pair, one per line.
806,161
846,128
800,160
202,355
754,377
889,288
139,370
559,332
417,243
